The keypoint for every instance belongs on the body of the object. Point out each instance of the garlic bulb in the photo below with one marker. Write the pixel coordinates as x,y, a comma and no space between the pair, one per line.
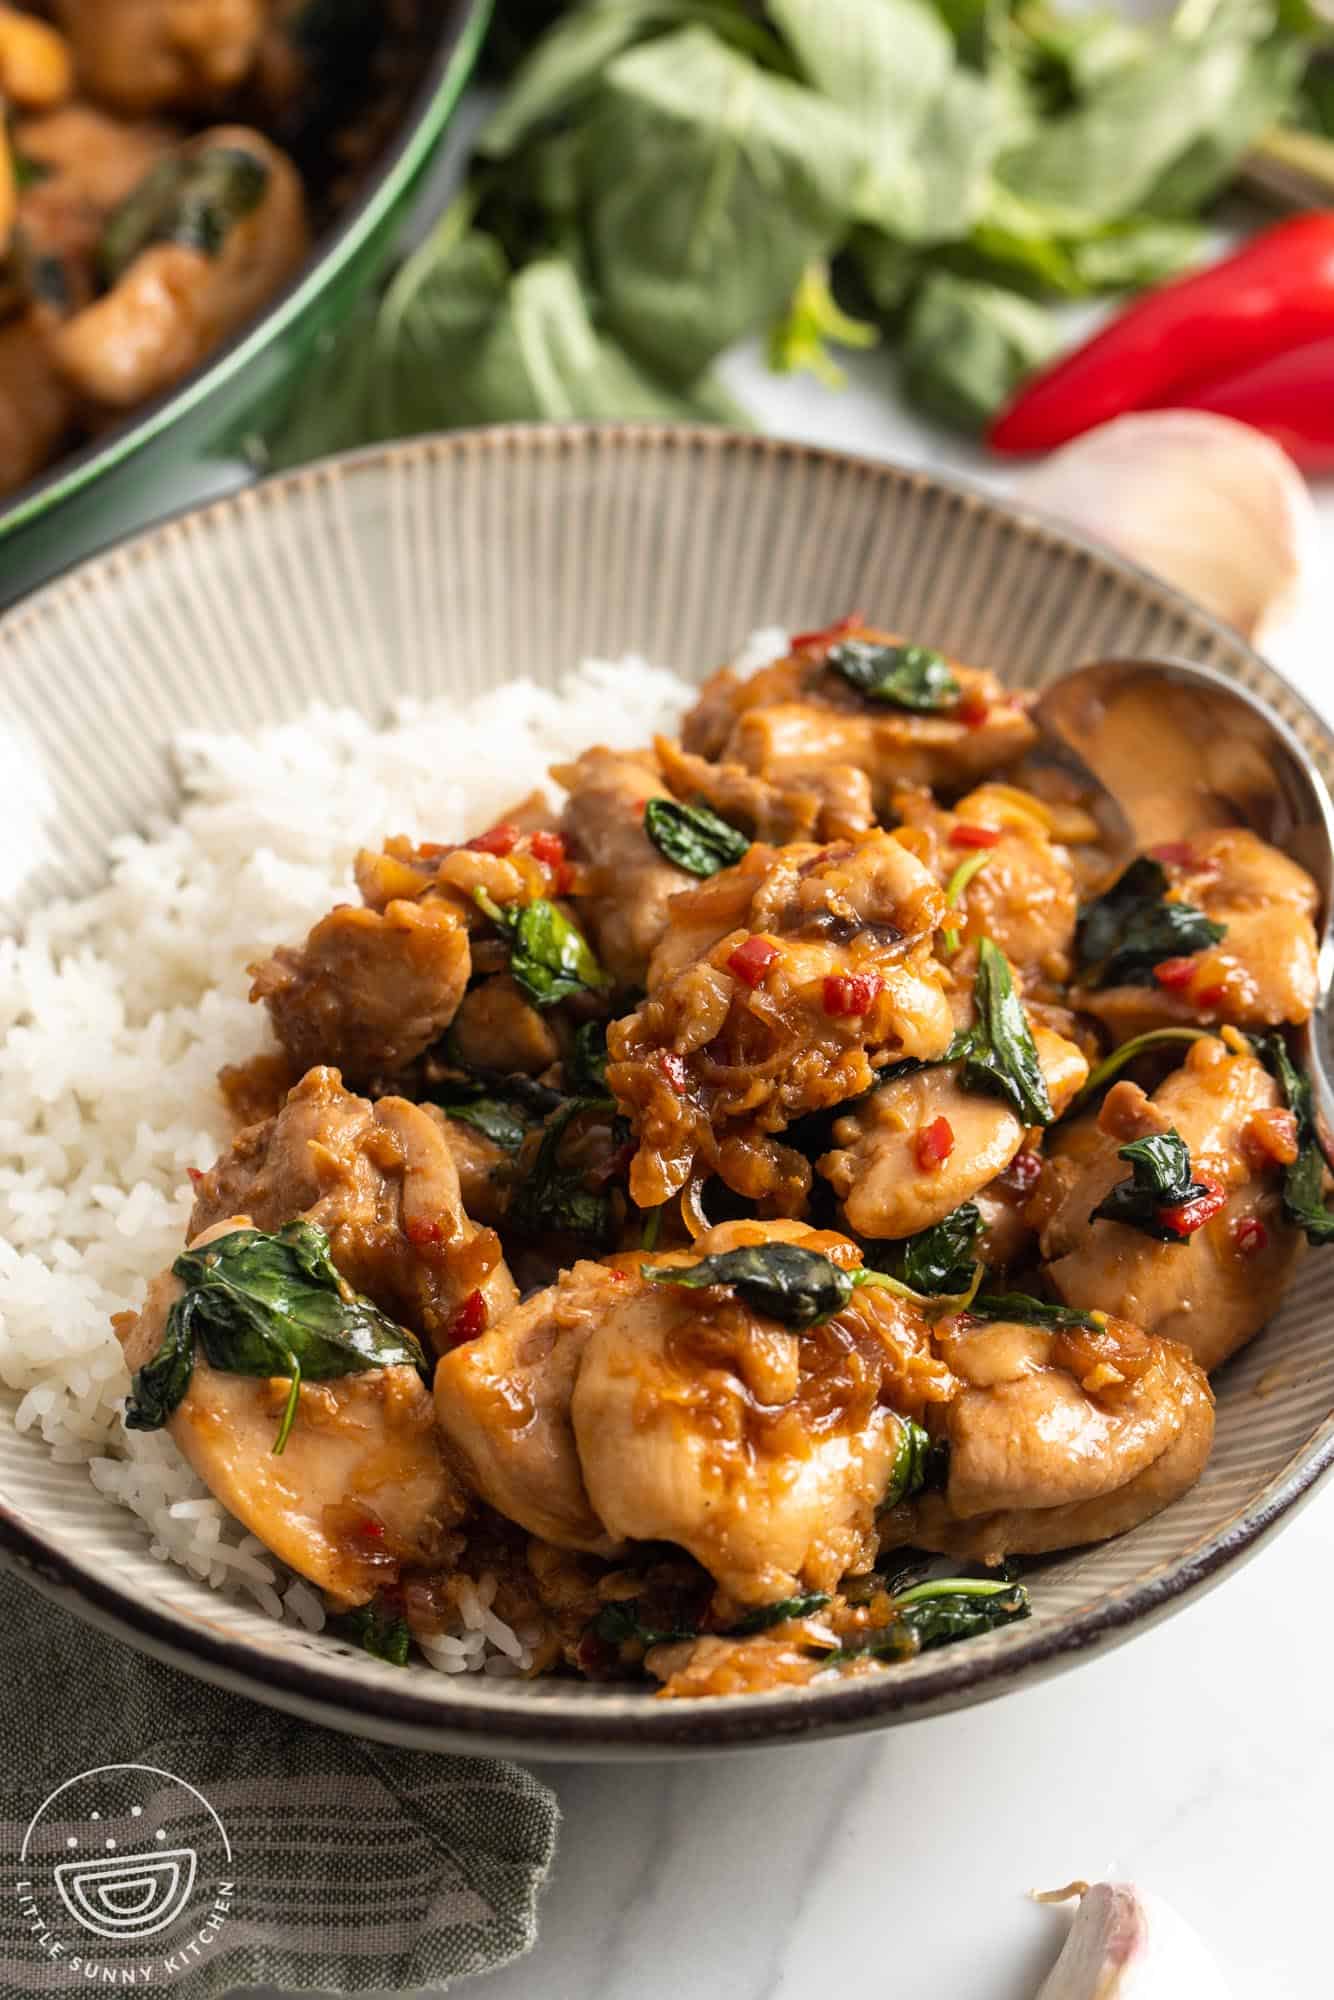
1127,1945
1210,504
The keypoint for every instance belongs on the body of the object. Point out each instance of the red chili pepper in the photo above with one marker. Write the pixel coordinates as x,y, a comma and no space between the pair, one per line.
1289,396
935,1143
467,1321
372,1529
420,1232
1211,996
1024,1172
1174,972
1274,294
828,635
548,848
1250,1236
1176,853
673,1069
1184,1217
852,994
196,1174
973,709
752,959
502,839
975,836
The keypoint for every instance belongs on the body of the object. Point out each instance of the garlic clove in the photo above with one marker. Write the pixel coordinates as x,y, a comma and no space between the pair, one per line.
1213,506
1126,1944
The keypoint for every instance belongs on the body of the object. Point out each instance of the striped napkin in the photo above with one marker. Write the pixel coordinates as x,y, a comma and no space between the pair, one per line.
157,1833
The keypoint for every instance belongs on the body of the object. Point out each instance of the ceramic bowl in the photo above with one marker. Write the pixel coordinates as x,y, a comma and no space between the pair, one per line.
443,565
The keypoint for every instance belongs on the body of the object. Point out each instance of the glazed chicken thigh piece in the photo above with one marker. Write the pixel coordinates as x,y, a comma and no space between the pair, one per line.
626,882
781,987
363,1452
1216,1289
1260,974
889,1185
796,718
1057,1438
148,55
828,804
380,1180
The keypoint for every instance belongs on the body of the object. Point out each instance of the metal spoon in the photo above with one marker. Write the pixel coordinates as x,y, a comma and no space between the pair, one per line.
1176,748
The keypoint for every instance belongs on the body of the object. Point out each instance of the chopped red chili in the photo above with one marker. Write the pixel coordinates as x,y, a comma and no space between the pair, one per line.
673,1069
196,1174
1174,972
1177,853
935,1143
467,1321
372,1529
1211,996
1250,1236
1185,1217
807,642
548,848
420,1231
852,994
750,960
973,709
975,836
502,839
1024,1172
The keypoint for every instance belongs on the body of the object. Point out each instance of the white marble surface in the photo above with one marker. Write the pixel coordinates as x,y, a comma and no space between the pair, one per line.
1198,1759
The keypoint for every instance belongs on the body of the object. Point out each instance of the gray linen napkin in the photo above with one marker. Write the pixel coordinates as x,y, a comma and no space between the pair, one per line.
350,1867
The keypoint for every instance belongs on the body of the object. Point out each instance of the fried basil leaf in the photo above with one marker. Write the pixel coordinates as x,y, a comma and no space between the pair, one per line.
911,677
919,1464
1160,1178
768,1615
266,1305
378,1629
941,1258
1131,928
798,1287
1028,1311
189,199
492,1114
556,1200
620,1624
693,837
938,1614
549,956
586,1064
1303,1182
998,1052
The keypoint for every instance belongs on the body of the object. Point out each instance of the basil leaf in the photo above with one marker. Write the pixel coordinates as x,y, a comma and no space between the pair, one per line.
769,1615
800,1288
941,1258
266,1305
378,1629
919,1464
798,341
193,200
493,1116
1160,1177
586,1064
1024,1309
940,1613
693,837
620,1624
998,1053
556,1200
1304,1180
968,345
550,958
912,677
1131,928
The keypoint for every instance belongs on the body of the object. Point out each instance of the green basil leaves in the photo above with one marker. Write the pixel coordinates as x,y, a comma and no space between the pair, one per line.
998,1053
693,837
193,200
1303,1182
378,1629
1023,1309
911,677
918,1464
797,1287
940,1613
554,1199
1160,1178
550,958
1131,928
266,1305
941,1258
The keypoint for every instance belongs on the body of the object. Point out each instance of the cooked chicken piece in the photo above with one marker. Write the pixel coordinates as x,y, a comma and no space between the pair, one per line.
89,163
361,1486
496,1028
175,302
380,1180
146,55
626,882
36,71
782,986
1261,973
367,991
799,716
762,1452
36,408
1058,1438
482,1166
1022,895
829,804
887,1186
503,1403
1216,1289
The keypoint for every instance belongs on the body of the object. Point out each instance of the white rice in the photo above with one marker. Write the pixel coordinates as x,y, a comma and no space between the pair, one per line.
118,1009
